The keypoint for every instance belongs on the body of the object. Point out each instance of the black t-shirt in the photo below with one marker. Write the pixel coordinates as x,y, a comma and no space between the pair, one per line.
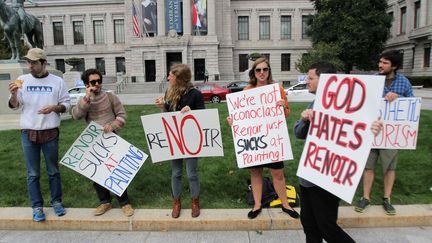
192,98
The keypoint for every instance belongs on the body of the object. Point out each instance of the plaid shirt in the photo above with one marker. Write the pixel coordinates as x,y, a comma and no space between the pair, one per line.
401,86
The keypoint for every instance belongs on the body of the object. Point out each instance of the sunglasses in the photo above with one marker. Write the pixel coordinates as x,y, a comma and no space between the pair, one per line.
93,82
258,70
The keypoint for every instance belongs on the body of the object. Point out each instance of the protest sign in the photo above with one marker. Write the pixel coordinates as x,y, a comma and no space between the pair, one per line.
259,127
400,119
105,158
339,137
175,135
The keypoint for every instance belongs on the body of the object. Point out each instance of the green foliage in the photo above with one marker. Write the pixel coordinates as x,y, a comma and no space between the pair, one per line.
223,185
321,52
358,28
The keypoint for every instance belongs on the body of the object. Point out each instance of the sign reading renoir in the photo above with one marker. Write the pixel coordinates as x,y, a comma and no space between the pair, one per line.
259,127
176,135
105,158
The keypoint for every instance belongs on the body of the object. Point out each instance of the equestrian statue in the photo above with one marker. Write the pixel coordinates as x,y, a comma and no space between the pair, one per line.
16,23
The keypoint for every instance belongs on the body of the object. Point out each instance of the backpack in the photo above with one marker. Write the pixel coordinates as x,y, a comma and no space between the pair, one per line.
268,193
269,196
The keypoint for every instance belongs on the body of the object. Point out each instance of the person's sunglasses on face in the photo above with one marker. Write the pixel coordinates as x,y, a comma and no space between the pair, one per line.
93,82
258,70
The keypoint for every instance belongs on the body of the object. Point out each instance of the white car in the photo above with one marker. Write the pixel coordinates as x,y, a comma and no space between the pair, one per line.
299,93
76,93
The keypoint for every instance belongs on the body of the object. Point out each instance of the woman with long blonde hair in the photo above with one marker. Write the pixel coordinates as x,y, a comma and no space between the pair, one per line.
182,96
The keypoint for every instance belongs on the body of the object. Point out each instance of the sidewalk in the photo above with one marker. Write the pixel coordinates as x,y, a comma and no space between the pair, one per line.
209,220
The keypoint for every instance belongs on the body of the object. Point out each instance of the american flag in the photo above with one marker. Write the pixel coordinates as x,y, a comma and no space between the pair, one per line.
136,29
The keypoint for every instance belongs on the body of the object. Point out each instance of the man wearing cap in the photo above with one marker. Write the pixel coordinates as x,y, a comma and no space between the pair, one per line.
42,97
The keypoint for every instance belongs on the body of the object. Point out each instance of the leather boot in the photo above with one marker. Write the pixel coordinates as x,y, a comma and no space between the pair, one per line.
176,208
195,207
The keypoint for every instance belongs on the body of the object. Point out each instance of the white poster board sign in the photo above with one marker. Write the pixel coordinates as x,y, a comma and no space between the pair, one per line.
401,120
175,135
339,137
259,127
105,158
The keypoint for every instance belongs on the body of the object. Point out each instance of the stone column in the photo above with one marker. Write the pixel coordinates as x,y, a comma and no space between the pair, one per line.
161,17
187,17
211,17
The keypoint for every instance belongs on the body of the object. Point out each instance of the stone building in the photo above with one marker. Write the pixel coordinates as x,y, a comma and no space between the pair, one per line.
217,35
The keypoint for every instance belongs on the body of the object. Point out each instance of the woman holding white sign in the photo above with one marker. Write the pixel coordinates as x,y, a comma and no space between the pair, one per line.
182,96
261,75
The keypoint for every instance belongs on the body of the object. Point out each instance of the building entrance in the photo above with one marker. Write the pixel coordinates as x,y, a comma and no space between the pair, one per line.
150,70
172,58
199,68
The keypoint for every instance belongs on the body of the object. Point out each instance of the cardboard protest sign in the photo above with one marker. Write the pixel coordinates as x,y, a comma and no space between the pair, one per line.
401,120
339,137
259,127
105,158
173,135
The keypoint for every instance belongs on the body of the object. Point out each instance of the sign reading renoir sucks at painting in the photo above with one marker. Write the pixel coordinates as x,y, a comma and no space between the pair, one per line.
105,158
339,137
259,127
176,135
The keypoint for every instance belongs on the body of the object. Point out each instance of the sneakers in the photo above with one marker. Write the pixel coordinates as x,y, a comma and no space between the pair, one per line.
362,204
59,210
103,208
38,214
128,210
390,210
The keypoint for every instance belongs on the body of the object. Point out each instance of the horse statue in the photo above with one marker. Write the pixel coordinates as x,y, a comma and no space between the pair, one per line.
11,24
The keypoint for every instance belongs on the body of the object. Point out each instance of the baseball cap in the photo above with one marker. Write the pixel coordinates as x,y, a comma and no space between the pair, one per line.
35,54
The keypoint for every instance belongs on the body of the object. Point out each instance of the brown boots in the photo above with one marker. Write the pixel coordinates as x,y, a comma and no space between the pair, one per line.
195,207
176,208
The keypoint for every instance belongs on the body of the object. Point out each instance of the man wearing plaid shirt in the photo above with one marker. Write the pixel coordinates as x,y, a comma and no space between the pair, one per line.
396,85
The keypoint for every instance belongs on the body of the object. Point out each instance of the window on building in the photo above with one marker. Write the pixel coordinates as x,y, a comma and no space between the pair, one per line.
286,62
243,28
401,53
402,28
120,64
60,65
426,55
413,57
285,27
391,28
100,65
243,62
98,32
119,31
266,55
264,27
416,14
305,26
58,33
78,32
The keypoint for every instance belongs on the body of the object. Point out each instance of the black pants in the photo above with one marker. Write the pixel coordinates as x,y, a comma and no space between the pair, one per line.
105,196
319,213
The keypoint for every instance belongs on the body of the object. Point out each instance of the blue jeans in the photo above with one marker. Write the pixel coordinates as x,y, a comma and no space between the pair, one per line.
176,176
32,160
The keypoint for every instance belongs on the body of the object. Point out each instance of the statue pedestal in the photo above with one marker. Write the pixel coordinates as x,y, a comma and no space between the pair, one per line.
9,71
70,78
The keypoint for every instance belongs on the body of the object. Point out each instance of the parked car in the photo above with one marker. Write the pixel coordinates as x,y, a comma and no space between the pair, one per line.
299,93
237,86
76,93
212,92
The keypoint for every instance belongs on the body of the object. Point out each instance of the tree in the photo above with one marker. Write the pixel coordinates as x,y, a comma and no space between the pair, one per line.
359,28
321,51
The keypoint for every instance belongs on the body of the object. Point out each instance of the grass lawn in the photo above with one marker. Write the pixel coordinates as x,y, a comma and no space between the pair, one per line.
223,185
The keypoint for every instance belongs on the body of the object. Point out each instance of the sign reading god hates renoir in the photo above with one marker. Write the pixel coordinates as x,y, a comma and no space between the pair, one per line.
105,158
339,137
176,135
259,127
401,119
